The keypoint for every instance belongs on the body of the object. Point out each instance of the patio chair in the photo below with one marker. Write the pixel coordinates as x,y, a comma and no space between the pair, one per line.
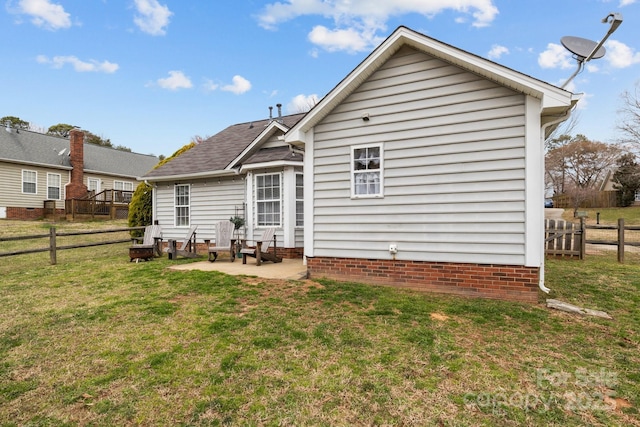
261,251
187,248
224,241
150,245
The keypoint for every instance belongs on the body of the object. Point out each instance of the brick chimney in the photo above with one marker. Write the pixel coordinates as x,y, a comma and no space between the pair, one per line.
76,188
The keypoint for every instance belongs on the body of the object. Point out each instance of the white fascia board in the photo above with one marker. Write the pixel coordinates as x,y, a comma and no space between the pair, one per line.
265,134
269,165
200,175
42,165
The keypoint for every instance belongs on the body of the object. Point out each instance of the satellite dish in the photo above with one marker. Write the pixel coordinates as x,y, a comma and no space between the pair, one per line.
582,48
61,152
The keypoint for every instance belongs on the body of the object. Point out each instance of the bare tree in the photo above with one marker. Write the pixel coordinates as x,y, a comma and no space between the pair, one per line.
576,167
629,117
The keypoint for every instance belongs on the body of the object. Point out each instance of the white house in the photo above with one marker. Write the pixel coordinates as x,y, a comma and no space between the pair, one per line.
245,170
423,168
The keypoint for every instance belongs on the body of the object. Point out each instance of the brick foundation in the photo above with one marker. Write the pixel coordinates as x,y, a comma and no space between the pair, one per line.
505,282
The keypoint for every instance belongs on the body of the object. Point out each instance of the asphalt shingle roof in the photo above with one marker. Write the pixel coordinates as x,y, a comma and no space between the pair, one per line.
218,151
36,148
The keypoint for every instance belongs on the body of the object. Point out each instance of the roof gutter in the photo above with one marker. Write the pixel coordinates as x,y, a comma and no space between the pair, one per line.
44,165
208,174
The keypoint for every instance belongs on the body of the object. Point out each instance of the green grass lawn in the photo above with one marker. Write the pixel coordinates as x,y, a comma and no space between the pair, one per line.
97,340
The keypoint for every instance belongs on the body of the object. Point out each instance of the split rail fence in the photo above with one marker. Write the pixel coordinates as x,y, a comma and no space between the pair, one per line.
567,239
53,246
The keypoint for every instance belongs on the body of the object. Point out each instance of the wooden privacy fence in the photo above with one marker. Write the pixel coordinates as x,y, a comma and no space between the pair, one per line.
53,246
567,239
564,239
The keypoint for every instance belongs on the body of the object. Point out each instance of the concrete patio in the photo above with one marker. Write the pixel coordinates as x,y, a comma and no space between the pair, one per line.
288,269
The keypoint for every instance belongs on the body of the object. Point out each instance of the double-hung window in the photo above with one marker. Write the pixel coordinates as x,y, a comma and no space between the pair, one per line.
268,200
123,185
299,200
53,186
367,171
29,182
181,205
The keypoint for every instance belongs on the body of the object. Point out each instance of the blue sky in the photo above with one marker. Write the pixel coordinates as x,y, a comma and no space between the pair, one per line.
152,74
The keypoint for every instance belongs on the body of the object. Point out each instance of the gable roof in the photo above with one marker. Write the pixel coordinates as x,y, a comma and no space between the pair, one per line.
37,149
555,101
221,153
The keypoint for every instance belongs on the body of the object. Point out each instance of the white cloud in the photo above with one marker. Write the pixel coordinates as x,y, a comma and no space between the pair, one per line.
556,56
349,40
176,80
497,51
45,14
78,65
359,21
302,103
619,55
210,85
239,86
153,17
624,3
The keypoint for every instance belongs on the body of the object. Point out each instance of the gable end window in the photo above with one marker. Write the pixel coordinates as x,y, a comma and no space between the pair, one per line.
53,186
29,181
181,205
268,200
367,171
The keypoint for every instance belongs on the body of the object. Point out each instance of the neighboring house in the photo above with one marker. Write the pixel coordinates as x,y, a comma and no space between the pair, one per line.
37,167
608,186
245,170
423,169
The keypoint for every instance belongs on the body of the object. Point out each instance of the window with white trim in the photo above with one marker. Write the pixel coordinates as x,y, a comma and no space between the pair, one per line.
93,185
268,200
181,205
367,171
123,185
299,200
29,182
53,186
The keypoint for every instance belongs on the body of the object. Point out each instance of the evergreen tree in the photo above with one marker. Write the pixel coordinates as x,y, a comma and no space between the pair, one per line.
141,206
626,179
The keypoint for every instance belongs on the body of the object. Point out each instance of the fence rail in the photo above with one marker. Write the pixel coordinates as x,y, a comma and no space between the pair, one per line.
54,247
566,239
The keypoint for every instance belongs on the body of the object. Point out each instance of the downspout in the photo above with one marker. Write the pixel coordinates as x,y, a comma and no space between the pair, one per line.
560,119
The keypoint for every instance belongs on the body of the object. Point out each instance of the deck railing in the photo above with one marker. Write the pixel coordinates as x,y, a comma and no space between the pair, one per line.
112,204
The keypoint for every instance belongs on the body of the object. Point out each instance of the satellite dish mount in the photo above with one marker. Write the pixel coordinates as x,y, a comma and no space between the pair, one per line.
584,50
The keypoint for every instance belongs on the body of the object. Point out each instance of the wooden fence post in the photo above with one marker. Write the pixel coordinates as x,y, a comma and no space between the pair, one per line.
583,238
621,240
52,245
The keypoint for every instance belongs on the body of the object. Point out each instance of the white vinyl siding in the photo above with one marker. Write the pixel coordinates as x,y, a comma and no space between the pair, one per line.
53,186
210,201
181,205
454,167
29,182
